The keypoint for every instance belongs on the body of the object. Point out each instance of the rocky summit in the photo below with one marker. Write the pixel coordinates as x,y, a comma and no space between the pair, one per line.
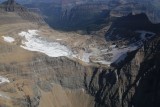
79,53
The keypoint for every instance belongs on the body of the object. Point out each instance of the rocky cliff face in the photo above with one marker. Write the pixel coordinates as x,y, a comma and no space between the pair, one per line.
81,15
73,16
33,79
56,82
135,84
62,82
12,6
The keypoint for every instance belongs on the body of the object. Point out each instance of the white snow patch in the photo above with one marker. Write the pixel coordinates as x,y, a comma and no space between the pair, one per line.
33,32
85,57
8,39
58,39
121,58
33,42
118,55
4,96
113,46
144,35
4,80
104,62
83,90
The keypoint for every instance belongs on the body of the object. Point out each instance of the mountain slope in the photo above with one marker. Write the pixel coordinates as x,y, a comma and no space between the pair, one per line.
116,66
93,15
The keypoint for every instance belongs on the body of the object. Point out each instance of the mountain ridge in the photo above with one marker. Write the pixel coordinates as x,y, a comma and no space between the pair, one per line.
64,17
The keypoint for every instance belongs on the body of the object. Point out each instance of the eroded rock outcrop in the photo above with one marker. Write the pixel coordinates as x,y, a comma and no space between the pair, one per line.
93,15
37,80
64,79
127,86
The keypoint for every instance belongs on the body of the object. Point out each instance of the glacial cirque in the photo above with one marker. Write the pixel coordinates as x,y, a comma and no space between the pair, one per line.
33,41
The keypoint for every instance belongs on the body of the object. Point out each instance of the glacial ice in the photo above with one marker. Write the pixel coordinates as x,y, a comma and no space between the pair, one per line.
4,80
8,39
33,42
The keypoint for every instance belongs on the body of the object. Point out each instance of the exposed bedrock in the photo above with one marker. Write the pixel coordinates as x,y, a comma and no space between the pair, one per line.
94,15
134,84
43,81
